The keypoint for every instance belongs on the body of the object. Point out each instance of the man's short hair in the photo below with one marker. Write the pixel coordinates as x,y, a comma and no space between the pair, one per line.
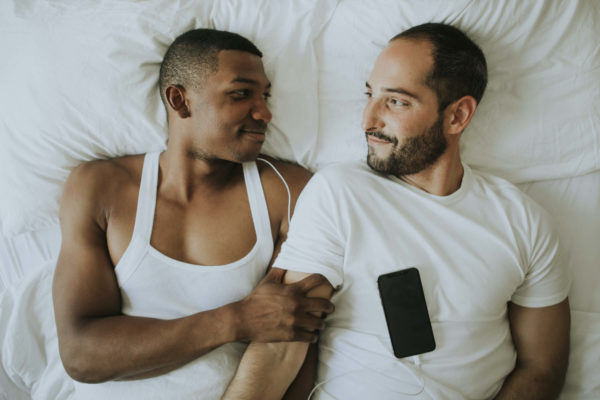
194,55
459,66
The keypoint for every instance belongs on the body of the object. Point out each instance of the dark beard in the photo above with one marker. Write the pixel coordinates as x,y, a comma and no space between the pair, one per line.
412,156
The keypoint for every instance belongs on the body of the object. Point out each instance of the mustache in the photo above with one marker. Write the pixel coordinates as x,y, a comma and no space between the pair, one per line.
382,136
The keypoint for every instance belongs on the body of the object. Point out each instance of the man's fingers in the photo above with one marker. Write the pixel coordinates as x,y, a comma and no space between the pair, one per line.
274,275
310,282
317,305
304,336
310,323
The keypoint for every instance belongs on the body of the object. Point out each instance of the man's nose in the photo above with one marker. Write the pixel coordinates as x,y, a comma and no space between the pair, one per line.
261,112
371,120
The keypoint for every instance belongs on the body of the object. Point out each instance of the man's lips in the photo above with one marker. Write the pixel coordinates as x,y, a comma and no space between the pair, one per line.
378,139
257,134
373,139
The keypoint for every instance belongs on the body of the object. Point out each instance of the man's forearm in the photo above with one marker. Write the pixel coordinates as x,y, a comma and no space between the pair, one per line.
304,381
123,347
532,384
266,371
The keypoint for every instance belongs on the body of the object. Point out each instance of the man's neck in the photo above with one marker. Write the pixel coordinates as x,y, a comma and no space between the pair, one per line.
442,178
182,174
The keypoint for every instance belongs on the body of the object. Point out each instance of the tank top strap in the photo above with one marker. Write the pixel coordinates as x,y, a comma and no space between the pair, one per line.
144,217
258,207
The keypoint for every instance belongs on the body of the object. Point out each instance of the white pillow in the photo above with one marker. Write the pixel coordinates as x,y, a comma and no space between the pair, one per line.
539,118
285,32
80,82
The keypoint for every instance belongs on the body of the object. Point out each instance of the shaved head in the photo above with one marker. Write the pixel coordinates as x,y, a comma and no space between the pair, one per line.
193,56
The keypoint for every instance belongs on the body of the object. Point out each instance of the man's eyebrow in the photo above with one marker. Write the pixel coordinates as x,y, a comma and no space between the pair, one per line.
397,90
253,82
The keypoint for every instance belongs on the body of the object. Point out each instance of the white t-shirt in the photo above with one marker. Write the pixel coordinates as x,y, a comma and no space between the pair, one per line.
476,249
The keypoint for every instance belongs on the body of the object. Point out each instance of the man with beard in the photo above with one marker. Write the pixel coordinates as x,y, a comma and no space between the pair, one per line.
160,279
493,277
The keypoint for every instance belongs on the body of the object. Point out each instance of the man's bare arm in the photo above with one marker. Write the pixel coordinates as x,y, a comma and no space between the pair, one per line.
98,343
541,337
303,384
296,178
267,369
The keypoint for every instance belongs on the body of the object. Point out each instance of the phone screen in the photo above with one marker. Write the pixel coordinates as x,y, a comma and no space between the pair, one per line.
406,312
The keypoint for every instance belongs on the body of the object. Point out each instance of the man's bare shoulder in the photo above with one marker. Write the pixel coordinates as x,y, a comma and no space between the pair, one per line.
294,174
94,185
276,193
107,173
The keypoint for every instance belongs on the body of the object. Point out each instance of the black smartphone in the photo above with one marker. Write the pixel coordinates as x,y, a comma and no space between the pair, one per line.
406,312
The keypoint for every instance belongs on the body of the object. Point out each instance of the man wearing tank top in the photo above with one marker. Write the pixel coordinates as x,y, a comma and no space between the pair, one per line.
494,279
161,276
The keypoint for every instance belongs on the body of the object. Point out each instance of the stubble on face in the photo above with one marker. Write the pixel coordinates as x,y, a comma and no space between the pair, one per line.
233,153
411,156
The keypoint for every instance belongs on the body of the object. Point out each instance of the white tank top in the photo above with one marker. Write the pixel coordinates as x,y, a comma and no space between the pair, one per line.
157,286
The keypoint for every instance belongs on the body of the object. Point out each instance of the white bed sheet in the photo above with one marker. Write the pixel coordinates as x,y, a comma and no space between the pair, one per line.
30,363
18,254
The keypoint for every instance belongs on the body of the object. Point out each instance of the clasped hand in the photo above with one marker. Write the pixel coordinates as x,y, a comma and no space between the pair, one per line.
277,312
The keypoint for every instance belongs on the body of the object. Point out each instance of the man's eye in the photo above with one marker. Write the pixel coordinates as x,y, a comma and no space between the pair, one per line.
267,96
241,93
397,102
369,94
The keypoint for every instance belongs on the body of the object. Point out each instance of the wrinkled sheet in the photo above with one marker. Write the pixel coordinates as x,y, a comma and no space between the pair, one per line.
31,367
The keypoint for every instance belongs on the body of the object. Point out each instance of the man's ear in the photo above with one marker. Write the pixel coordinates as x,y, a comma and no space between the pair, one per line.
459,114
175,96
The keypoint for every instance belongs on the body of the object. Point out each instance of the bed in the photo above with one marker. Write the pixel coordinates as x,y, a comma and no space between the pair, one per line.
79,82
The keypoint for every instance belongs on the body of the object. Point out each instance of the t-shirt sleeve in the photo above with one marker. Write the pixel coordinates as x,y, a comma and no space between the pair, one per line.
547,279
314,243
